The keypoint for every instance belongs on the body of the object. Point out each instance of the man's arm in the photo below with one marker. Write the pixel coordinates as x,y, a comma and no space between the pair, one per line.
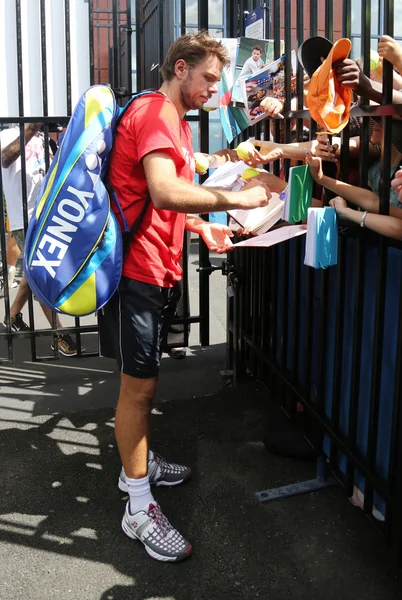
169,192
365,199
383,224
10,153
293,150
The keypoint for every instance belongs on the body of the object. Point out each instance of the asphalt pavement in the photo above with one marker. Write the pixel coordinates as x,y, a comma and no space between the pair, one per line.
60,509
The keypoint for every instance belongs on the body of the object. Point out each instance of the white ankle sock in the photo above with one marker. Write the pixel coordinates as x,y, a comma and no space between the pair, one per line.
139,491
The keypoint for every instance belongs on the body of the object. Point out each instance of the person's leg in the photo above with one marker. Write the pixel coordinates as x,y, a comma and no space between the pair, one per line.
162,472
132,436
49,316
132,423
20,299
139,310
13,251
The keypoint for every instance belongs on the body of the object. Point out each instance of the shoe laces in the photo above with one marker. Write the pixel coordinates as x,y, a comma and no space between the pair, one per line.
67,339
165,466
159,518
162,463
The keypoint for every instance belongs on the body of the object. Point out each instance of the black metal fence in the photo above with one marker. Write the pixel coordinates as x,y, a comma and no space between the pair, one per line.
106,56
331,339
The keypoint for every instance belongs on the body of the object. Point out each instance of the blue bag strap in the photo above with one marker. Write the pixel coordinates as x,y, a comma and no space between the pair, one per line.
129,235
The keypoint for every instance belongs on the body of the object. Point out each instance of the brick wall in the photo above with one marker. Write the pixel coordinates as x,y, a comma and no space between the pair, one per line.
321,20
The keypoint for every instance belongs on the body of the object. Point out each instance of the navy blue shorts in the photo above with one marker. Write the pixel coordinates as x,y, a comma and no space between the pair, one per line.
144,314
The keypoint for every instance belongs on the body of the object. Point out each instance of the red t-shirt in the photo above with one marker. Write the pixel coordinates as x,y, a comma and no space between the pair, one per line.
151,124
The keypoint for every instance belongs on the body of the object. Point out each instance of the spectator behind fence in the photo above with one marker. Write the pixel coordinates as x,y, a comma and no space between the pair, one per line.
12,184
153,155
368,200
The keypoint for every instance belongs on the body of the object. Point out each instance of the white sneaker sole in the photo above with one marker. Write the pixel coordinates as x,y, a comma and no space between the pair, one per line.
122,485
149,551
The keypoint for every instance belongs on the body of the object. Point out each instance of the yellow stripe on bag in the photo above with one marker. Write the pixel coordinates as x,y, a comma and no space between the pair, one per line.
96,99
83,301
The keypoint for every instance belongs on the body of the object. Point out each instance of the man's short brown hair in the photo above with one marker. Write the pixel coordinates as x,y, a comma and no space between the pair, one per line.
193,49
257,48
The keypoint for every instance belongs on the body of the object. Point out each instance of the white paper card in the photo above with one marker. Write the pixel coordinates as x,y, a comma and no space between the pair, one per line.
282,234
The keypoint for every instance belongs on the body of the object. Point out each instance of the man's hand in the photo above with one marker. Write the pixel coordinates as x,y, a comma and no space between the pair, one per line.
397,184
315,165
272,106
263,159
255,194
217,237
339,204
390,49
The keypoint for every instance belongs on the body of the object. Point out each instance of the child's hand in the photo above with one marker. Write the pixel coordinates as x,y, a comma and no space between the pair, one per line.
339,204
323,149
262,159
390,49
272,106
397,184
315,165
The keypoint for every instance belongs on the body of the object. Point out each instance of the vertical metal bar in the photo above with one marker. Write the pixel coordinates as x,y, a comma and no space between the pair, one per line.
386,149
273,306
347,19
322,344
129,48
115,46
376,372
45,102
139,44
346,31
329,19
364,132
313,17
44,62
203,126
68,52
381,269
296,310
338,343
23,155
264,303
5,270
91,45
277,52
300,72
357,333
308,342
183,17
19,59
356,360
277,28
394,515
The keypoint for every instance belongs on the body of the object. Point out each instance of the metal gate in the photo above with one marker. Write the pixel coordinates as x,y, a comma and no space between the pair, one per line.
332,339
78,43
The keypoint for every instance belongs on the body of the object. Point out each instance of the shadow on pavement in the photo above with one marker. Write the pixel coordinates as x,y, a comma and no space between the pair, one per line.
60,499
